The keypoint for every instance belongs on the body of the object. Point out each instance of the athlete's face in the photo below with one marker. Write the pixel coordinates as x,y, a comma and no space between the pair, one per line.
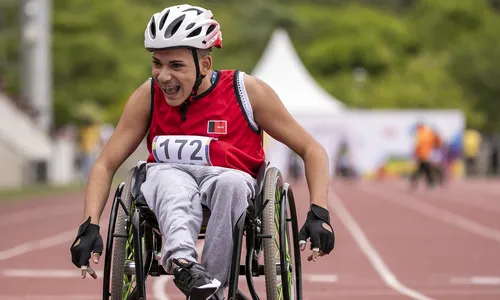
174,70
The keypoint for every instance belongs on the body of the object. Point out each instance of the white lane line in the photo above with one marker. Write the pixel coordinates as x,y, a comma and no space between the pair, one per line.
52,297
320,278
376,260
45,273
159,285
58,239
54,240
476,280
71,273
456,196
440,214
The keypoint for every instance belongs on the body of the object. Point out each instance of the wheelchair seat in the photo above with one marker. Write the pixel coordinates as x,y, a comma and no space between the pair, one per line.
134,240
139,177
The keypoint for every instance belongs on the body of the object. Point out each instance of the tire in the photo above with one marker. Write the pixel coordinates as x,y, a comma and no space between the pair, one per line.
120,252
291,268
273,187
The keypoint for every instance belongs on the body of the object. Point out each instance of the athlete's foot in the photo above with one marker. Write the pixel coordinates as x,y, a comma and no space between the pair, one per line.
194,281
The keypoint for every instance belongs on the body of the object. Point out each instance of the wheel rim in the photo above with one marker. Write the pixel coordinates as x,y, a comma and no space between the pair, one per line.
129,278
286,254
293,236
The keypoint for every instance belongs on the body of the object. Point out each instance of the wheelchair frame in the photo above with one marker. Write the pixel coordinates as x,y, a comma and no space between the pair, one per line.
143,226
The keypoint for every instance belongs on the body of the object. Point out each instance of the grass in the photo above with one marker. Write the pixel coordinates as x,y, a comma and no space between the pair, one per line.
33,191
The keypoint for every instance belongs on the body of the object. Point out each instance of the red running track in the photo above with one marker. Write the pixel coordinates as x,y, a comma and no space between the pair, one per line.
391,244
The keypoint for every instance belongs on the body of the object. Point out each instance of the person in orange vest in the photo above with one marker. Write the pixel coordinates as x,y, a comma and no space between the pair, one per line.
425,141
438,158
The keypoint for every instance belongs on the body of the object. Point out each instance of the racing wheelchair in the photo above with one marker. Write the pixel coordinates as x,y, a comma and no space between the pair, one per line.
134,241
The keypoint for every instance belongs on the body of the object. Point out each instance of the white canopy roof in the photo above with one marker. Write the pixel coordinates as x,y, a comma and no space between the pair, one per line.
20,134
281,68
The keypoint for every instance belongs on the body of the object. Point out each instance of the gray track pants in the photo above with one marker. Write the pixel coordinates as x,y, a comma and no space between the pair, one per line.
175,193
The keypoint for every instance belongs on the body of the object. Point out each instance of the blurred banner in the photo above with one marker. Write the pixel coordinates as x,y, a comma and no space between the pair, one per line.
383,141
328,131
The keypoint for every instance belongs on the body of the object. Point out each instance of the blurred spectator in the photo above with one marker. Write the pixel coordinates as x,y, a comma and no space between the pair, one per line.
90,141
295,165
343,164
471,144
106,133
438,158
425,141
493,159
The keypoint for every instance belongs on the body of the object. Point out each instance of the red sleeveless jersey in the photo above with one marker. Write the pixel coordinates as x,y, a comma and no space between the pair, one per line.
222,112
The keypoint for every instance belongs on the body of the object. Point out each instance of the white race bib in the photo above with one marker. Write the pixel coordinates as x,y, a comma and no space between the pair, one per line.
185,149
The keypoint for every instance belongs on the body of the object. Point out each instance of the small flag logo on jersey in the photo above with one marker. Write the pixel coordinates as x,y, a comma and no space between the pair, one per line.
217,127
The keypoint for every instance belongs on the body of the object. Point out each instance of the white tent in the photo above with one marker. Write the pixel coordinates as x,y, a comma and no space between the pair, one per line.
281,68
316,110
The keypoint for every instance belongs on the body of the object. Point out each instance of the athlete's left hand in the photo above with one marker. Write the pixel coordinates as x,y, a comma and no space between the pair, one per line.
317,227
88,241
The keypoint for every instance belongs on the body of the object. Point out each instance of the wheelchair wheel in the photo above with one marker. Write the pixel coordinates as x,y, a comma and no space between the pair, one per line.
122,254
288,220
279,262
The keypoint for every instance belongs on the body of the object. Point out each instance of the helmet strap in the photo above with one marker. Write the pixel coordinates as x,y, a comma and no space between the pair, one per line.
197,83
199,77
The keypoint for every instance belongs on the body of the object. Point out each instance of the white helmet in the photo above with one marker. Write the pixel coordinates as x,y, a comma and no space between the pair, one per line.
182,26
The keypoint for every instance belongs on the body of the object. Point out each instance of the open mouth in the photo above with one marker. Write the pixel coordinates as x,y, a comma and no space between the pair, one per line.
171,90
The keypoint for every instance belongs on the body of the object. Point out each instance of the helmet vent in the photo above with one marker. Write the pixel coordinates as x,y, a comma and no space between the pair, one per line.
174,26
199,12
152,28
190,26
210,29
163,19
195,32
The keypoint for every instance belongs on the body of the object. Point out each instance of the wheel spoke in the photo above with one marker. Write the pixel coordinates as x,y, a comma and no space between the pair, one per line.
129,279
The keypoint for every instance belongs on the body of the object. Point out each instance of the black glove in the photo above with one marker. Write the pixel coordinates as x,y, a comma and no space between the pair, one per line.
88,240
321,238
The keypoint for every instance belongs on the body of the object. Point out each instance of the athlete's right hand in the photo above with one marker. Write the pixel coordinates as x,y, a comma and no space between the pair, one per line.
318,228
88,241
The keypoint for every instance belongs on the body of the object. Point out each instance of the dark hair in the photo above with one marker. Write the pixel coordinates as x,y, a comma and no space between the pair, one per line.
203,52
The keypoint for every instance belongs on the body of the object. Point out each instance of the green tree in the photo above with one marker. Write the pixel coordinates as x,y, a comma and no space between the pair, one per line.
476,66
439,24
469,35
343,38
97,55
9,46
